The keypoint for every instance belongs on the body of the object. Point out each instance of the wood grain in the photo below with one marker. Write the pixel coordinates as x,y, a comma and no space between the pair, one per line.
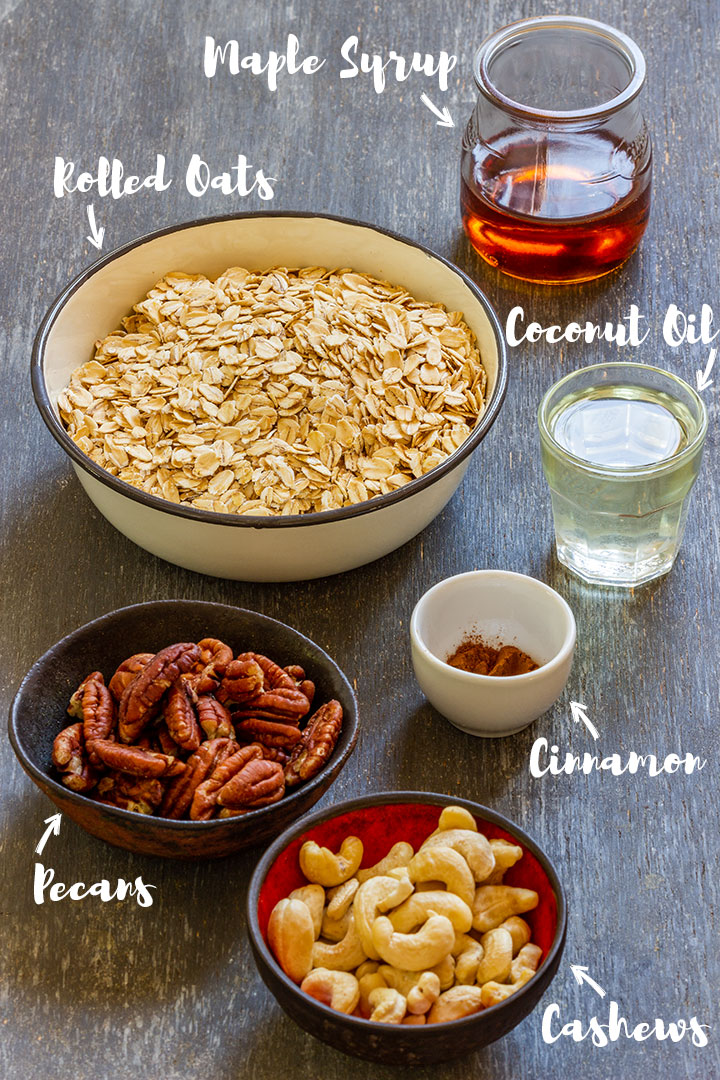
97,990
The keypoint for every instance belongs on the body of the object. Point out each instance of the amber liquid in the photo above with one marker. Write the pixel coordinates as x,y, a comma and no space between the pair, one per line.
554,212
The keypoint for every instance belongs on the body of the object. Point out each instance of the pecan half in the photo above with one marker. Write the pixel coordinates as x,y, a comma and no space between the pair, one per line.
214,718
316,745
180,718
206,794
306,685
98,710
258,783
274,753
70,759
285,705
282,736
141,698
75,704
127,672
179,794
215,655
275,677
137,762
243,681
142,795
162,741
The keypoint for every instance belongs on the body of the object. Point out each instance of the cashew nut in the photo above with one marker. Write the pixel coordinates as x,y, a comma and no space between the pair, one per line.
322,867
446,865
342,956
455,817
399,854
473,846
466,963
445,972
377,894
291,936
527,959
335,929
367,984
338,989
412,1020
519,932
418,951
493,993
416,909
455,1003
388,1006
368,967
494,904
341,897
497,957
424,994
313,896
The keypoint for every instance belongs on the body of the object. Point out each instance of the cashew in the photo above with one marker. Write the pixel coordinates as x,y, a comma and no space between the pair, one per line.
343,956
527,959
399,854
519,932
388,1006
455,1003
412,1020
313,896
341,897
462,942
418,951
455,817
497,957
291,936
369,967
377,894
466,963
445,972
338,989
444,864
335,929
494,904
506,855
493,993
424,994
416,909
322,867
367,984
404,981
473,846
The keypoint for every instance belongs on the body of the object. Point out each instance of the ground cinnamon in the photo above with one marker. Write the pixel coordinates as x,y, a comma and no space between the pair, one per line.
473,654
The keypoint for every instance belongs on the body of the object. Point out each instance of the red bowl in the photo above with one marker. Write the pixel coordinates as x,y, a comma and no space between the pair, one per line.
380,821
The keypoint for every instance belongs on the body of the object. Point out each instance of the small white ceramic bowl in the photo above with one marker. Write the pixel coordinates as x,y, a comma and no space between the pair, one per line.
253,548
502,608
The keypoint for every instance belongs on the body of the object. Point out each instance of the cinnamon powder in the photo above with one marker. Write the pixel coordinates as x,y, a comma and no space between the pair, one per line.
473,654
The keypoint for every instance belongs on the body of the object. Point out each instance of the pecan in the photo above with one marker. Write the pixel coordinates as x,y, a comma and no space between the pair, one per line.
143,795
316,745
137,762
284,705
127,672
75,704
214,718
69,758
274,753
163,741
275,678
306,685
282,736
206,794
295,672
180,718
98,710
243,681
258,783
215,655
142,697
179,794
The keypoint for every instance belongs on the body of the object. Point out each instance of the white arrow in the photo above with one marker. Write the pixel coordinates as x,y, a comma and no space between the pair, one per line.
444,117
578,713
53,826
96,237
582,976
702,378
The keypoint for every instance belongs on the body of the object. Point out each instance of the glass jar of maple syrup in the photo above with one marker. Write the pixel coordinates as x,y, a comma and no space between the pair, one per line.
556,159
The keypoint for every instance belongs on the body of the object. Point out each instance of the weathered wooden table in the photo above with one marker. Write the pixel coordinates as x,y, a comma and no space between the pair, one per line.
93,990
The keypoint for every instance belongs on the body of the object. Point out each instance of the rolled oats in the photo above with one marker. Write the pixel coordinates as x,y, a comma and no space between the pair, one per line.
277,392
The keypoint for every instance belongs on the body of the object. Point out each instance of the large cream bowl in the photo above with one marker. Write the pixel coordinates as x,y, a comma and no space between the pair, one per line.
259,548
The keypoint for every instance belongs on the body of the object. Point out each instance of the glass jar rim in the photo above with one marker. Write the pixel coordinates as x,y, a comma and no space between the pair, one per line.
624,471
490,47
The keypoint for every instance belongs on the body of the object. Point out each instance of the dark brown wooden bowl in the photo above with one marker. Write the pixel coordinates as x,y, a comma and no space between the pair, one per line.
38,713
380,821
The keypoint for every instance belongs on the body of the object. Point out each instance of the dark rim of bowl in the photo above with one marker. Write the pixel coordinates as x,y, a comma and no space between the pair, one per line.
172,823
308,821
61,436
